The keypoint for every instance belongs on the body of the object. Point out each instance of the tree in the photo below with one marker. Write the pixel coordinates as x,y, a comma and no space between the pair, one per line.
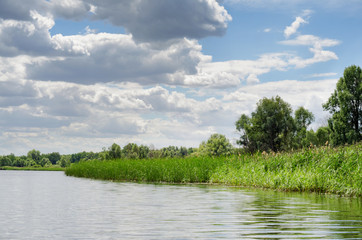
35,156
114,151
345,105
216,145
64,161
130,151
53,157
143,152
271,126
5,161
303,118
45,162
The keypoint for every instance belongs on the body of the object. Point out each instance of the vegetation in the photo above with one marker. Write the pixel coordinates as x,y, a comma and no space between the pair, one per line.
270,130
270,127
216,145
33,168
323,170
345,105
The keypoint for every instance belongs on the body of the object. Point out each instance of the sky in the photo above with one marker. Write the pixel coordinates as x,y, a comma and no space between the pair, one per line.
79,75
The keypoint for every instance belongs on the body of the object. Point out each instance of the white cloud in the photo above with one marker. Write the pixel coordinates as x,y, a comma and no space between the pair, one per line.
290,30
311,40
319,75
150,85
115,57
32,37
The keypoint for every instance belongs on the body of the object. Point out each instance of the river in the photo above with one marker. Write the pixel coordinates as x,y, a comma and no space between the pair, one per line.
50,205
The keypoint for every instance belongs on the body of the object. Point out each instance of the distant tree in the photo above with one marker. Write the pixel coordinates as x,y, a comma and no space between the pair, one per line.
45,162
303,118
310,139
169,152
5,161
64,161
130,151
271,126
18,162
216,145
53,157
323,134
143,152
345,105
114,151
183,151
35,156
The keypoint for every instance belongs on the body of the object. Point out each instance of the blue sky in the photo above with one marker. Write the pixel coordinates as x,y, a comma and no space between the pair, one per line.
80,75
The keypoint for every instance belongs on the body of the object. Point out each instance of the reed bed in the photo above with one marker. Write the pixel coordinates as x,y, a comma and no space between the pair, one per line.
172,170
33,168
323,170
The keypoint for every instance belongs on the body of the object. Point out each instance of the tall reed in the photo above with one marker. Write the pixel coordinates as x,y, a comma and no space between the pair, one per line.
324,170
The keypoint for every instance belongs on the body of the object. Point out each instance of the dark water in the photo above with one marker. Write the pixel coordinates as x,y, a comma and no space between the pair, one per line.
49,205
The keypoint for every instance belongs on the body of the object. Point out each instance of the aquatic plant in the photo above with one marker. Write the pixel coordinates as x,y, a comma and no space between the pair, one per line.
323,170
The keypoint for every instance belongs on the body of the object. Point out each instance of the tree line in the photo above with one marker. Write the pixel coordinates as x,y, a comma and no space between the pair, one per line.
271,127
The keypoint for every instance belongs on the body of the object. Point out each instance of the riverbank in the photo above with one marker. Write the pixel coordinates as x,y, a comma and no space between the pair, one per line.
322,170
33,168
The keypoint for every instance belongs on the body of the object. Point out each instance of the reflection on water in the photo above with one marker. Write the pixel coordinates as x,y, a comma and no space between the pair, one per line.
49,205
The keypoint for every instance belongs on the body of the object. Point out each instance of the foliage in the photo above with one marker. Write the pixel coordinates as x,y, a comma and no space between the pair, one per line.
324,170
54,168
172,170
345,105
114,151
64,161
303,118
130,151
35,156
216,145
270,127
53,157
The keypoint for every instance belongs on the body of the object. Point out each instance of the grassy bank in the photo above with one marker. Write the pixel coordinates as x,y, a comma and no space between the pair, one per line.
33,168
324,170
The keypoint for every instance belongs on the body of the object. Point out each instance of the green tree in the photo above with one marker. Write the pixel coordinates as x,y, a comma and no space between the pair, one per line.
64,161
345,105
130,151
35,156
144,152
323,135
310,138
5,161
114,151
216,145
271,126
53,157
303,118
45,162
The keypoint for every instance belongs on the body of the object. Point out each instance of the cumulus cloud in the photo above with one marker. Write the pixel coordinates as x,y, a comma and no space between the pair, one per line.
309,94
20,10
115,57
86,91
317,44
31,37
161,20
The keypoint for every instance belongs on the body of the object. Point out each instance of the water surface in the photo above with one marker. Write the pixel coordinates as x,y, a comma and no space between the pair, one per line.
50,205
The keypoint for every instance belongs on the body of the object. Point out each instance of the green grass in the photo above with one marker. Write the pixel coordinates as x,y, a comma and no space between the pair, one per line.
323,170
173,170
33,168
